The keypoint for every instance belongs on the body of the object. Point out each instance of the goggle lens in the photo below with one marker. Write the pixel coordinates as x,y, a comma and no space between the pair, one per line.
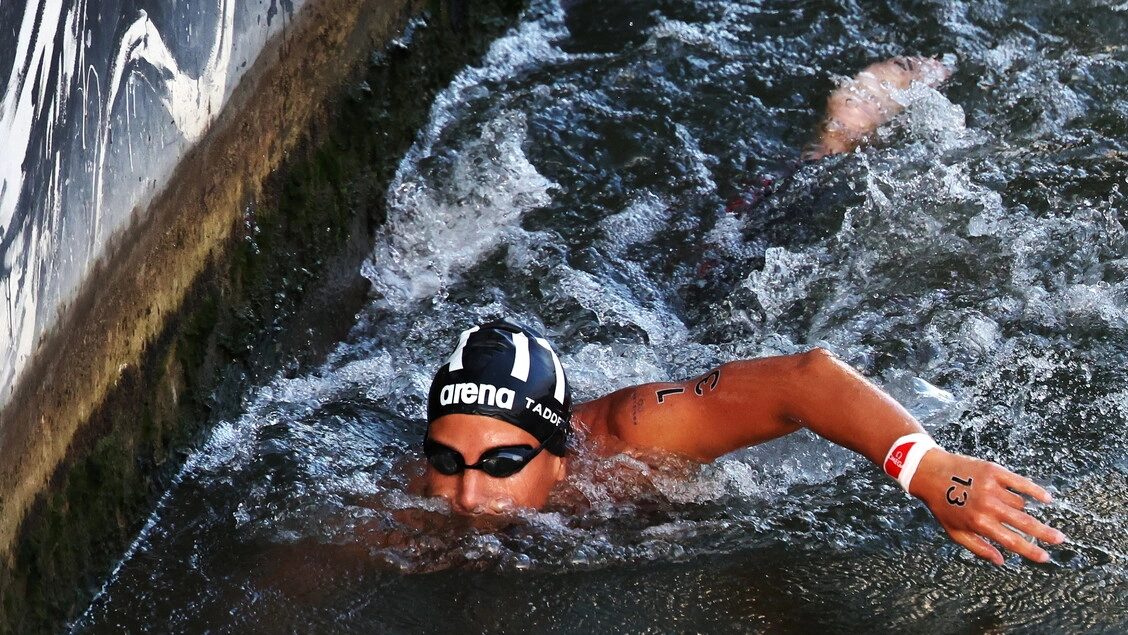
497,462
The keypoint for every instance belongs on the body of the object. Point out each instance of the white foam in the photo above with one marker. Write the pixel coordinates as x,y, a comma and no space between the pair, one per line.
437,229
786,278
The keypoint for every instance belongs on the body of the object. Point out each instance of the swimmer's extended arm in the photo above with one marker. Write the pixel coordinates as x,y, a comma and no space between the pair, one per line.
748,402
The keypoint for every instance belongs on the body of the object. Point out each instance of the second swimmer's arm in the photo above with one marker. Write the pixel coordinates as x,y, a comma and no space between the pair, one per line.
861,104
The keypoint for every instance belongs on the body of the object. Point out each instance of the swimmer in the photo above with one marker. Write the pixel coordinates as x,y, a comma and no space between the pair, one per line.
501,424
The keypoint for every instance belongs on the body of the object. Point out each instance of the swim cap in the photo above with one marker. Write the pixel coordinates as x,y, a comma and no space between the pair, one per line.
509,372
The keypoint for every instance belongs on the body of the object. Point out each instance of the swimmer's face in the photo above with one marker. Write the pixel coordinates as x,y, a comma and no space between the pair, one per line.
474,491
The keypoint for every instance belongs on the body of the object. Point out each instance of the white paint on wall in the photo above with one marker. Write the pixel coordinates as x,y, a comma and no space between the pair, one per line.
90,131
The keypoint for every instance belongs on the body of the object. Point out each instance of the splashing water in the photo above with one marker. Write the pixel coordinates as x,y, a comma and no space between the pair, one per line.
972,262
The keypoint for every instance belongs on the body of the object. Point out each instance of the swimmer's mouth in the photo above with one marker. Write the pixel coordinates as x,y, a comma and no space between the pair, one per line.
485,522
504,507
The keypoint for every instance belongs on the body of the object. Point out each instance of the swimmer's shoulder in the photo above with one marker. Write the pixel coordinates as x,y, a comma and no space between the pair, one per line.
608,414
592,416
630,415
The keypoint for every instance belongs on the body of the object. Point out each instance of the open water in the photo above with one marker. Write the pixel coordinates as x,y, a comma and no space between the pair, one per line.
624,175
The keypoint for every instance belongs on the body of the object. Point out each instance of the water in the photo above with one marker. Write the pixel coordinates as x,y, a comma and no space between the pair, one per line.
625,177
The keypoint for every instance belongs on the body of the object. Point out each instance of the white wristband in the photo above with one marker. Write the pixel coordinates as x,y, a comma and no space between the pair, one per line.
904,457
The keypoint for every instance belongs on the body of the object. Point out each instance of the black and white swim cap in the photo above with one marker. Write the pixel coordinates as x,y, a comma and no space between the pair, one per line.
509,372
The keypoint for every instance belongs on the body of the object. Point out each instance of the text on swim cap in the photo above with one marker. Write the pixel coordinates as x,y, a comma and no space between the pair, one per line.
481,394
543,412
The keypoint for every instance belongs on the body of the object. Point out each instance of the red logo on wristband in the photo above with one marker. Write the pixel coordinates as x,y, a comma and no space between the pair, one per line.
896,459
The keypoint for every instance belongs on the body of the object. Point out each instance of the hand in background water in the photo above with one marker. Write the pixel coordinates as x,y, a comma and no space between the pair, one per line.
861,104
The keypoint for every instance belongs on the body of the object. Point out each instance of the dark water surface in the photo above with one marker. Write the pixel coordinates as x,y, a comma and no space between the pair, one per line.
583,179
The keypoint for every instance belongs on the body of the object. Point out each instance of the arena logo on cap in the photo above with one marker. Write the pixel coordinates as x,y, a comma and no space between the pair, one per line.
480,394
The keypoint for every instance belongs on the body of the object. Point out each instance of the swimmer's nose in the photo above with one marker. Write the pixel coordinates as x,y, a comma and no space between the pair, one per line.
476,495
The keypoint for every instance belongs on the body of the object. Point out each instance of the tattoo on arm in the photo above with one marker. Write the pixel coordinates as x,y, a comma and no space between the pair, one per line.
959,499
711,379
706,383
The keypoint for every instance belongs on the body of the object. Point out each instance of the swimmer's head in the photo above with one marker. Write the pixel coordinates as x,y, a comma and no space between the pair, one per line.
509,372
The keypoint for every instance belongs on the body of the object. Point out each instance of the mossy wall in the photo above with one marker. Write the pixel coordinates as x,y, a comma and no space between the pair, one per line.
246,265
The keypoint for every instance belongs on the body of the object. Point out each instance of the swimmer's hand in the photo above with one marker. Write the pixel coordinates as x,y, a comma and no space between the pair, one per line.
978,502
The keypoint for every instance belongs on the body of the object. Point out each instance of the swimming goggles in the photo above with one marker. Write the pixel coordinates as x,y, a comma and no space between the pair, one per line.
497,462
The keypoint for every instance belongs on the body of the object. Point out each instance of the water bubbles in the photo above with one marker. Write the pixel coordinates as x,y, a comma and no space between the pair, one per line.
740,477
640,222
522,562
986,224
1096,306
581,557
443,224
980,335
785,279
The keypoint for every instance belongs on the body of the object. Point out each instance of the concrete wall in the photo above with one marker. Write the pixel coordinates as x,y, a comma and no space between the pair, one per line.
185,288
100,103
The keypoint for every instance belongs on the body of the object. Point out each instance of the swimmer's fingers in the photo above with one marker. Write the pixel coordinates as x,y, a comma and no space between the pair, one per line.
977,545
1012,499
985,525
978,502
1013,514
1015,531
1009,540
1022,485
